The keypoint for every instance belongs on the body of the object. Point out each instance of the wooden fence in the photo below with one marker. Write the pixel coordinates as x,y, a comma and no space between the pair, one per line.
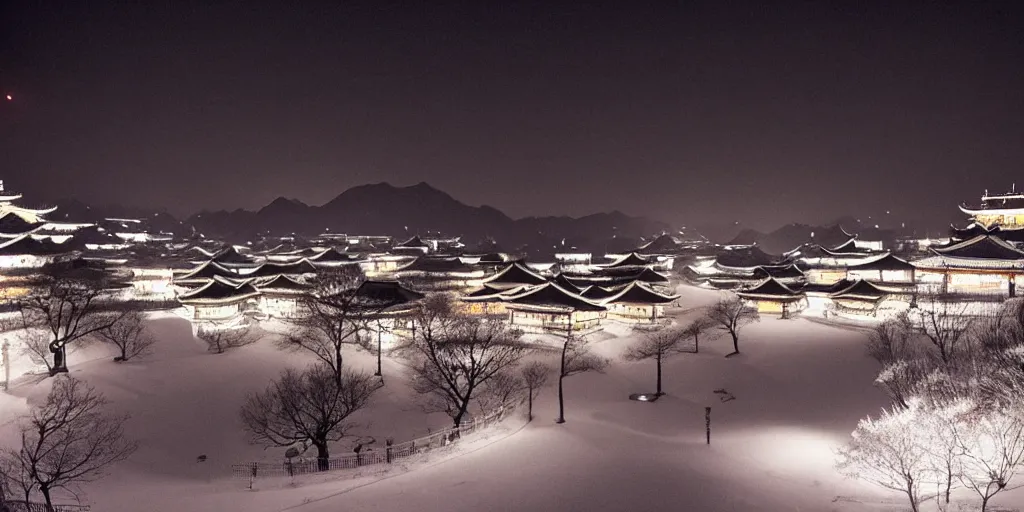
391,453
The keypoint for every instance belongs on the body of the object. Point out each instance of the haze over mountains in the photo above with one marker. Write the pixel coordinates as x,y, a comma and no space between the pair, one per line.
421,209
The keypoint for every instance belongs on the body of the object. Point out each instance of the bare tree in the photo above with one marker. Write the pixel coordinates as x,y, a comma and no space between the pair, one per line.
945,324
576,358
730,316
888,452
901,380
220,340
67,301
939,430
992,444
454,356
129,335
505,388
14,477
69,440
534,375
658,343
334,315
891,340
698,326
35,343
307,406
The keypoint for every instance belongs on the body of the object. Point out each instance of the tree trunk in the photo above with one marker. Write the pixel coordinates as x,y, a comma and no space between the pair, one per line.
735,343
561,377
529,406
913,499
984,503
458,419
323,456
949,482
379,373
696,344
337,366
46,497
60,364
658,359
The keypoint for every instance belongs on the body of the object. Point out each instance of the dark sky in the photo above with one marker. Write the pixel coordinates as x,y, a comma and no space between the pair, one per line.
683,111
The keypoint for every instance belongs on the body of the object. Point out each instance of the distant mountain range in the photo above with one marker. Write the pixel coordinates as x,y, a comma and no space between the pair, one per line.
384,209
402,212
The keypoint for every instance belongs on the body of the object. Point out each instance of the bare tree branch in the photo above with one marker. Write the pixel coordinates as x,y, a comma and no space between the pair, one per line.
658,343
307,407
223,339
69,439
129,335
730,316
454,357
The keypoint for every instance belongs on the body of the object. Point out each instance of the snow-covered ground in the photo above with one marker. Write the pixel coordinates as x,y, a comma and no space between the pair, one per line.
799,388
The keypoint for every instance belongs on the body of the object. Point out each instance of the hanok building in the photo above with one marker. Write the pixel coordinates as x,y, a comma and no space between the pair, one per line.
637,303
981,265
488,301
548,308
773,296
281,296
866,299
297,269
822,265
513,276
435,273
334,258
1002,210
204,273
886,268
25,239
789,275
414,246
219,300
390,311
732,268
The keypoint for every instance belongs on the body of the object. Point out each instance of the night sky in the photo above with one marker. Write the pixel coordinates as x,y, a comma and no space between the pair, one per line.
682,111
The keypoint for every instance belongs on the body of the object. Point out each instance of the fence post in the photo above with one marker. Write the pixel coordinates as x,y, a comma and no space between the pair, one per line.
707,423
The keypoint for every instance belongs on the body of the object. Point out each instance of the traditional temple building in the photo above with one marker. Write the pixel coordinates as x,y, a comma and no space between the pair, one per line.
981,265
440,273
393,314
281,296
637,303
646,275
488,301
204,273
1013,234
414,246
789,274
732,268
635,261
883,269
297,269
514,275
773,296
219,300
561,280
548,308
332,257
27,238
866,299
1002,210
